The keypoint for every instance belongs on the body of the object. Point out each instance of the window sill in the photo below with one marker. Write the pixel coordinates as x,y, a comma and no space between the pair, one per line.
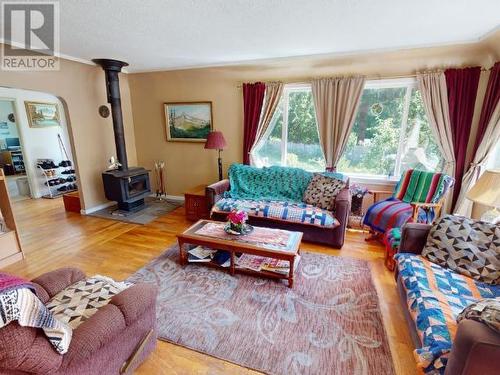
372,180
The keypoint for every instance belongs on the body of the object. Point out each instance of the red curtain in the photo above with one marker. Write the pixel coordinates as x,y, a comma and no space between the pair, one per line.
462,86
253,99
491,98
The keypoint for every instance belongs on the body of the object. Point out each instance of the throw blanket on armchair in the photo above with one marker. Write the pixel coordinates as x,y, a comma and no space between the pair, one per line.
18,302
268,183
10,282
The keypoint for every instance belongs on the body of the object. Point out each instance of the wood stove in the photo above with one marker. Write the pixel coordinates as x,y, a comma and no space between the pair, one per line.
127,186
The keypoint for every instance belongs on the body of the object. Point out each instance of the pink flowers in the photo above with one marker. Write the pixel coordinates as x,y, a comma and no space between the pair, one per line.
237,217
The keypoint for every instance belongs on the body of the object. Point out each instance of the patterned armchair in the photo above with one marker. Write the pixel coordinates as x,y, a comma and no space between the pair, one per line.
418,197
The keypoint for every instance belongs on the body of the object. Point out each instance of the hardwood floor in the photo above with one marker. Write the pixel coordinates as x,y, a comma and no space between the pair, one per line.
53,238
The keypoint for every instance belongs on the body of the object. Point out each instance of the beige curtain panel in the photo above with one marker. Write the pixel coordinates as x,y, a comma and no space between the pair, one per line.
489,141
272,97
336,101
435,98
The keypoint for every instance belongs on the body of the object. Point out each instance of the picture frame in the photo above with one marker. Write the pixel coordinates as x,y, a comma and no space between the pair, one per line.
42,114
188,121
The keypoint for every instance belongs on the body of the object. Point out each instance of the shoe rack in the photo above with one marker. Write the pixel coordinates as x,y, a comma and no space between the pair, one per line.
10,246
58,178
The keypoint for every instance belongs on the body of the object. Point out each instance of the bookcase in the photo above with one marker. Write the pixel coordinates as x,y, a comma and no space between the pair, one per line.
10,246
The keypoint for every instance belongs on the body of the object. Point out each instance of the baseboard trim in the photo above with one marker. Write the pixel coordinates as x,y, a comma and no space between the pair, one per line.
91,210
178,198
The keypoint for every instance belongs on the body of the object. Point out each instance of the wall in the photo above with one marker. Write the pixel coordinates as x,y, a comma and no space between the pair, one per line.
81,89
6,108
190,164
37,143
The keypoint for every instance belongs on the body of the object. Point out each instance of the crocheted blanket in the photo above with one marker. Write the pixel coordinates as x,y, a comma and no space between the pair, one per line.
273,183
435,297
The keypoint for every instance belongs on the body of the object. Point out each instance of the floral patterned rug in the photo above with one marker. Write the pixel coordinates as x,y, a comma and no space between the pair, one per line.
329,323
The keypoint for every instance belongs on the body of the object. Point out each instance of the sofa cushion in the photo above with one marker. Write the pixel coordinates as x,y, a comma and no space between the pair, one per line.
435,297
79,301
322,191
467,246
278,210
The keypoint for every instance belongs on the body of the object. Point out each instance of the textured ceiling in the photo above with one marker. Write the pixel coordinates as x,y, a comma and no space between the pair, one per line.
168,34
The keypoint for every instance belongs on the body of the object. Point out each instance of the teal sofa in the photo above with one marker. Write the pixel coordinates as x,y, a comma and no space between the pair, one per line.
272,197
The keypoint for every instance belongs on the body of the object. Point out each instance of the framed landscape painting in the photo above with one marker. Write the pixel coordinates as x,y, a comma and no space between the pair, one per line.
188,121
42,115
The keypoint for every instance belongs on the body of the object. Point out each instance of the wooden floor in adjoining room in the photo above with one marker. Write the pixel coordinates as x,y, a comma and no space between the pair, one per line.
53,238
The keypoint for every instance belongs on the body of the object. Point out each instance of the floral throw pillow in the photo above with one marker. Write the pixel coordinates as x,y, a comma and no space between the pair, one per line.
322,191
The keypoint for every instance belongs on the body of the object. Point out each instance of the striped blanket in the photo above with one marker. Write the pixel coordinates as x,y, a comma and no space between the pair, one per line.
414,187
435,296
18,302
422,187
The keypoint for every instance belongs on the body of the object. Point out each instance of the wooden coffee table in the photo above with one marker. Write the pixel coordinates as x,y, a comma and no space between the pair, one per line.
274,246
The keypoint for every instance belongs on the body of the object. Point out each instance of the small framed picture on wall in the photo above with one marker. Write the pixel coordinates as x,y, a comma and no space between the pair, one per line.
42,115
188,121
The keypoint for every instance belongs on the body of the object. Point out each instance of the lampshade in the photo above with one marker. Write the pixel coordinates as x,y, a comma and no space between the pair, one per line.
215,141
486,191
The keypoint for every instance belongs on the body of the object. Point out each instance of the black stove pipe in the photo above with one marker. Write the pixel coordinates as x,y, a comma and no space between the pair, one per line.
111,70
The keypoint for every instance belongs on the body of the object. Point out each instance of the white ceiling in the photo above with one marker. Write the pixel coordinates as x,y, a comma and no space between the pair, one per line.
171,34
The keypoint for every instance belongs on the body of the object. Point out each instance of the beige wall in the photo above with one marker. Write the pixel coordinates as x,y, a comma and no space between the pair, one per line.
189,164
82,88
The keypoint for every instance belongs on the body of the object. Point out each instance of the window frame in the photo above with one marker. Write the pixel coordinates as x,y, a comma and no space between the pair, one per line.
287,89
408,83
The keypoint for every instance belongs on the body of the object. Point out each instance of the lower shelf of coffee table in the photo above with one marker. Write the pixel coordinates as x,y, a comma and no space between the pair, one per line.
242,270
237,269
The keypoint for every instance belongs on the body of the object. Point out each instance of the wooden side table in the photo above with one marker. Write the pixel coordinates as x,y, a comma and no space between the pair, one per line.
196,204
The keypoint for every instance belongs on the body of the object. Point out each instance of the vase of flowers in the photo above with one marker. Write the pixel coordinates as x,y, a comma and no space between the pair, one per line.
237,223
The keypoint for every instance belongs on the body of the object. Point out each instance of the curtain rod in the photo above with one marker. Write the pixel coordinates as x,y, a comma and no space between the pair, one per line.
370,78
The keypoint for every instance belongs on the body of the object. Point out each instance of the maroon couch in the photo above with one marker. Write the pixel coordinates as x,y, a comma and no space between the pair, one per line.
476,348
115,340
328,236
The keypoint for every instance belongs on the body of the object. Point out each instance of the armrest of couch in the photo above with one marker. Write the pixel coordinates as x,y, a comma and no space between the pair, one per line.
413,237
343,206
215,192
27,350
475,350
95,333
135,300
55,281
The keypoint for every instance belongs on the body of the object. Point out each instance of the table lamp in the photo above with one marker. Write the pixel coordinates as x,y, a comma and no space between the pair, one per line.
486,191
216,141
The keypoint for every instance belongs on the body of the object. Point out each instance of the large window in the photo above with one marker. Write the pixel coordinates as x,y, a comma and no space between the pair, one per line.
390,134
292,137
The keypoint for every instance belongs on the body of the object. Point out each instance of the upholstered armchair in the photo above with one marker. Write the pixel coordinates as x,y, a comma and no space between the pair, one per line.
418,197
115,340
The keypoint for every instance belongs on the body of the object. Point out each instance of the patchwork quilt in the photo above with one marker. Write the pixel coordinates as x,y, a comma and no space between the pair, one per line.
435,298
78,302
287,211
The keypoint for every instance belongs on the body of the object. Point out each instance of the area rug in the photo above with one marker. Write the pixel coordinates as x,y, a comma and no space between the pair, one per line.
329,323
154,209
